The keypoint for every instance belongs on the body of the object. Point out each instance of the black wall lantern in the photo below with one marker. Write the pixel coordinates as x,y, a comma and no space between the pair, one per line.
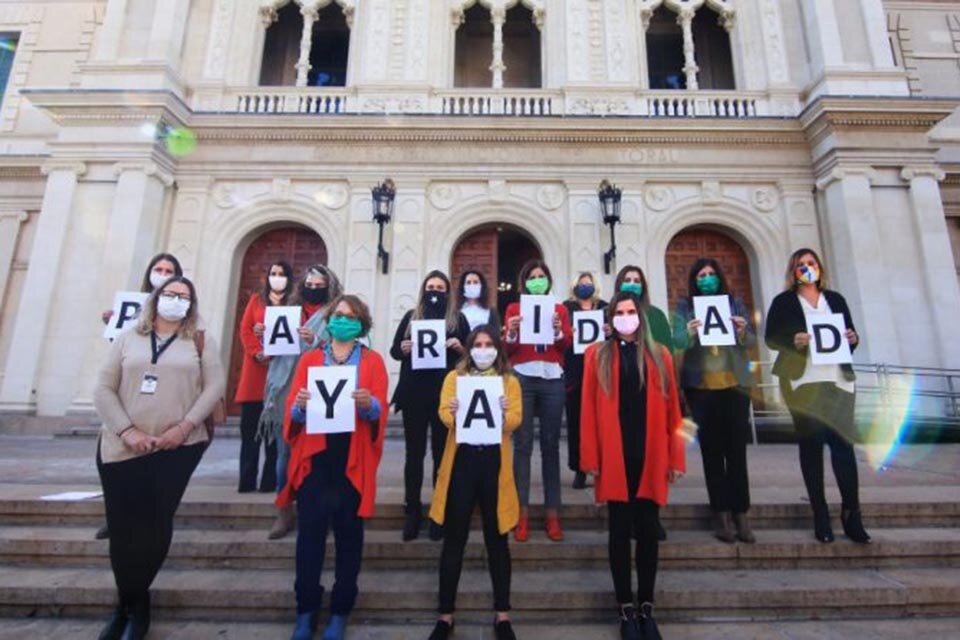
610,208
383,195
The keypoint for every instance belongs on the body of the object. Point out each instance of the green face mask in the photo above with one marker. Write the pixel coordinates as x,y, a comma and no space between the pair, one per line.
632,287
538,286
343,329
709,284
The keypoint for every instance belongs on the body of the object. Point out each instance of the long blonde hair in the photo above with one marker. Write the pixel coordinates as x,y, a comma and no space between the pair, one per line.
188,326
644,345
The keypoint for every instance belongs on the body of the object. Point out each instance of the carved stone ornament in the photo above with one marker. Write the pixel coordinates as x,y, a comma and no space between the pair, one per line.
710,191
332,196
498,190
443,196
551,196
223,196
658,198
764,199
281,189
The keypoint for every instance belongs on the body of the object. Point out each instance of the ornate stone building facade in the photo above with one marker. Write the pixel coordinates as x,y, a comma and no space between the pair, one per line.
744,128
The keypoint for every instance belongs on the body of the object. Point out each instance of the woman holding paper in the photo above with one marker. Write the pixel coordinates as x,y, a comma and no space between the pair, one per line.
333,476
277,291
716,382
474,300
474,475
540,370
318,286
630,440
820,396
584,296
631,279
417,395
153,393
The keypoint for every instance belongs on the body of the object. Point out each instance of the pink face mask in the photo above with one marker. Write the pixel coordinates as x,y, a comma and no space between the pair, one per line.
626,325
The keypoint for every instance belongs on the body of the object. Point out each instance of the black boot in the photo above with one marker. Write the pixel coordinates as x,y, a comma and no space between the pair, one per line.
821,524
853,525
411,525
441,631
503,630
138,620
648,626
115,626
580,480
629,623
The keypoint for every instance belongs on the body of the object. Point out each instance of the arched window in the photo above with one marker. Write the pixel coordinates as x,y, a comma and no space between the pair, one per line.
305,47
497,48
665,51
688,47
521,49
712,48
281,48
474,49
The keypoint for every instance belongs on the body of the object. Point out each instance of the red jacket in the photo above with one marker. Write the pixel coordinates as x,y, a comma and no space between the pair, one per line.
253,374
519,353
601,444
365,452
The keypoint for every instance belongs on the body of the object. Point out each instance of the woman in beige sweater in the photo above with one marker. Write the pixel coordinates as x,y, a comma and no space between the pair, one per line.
156,388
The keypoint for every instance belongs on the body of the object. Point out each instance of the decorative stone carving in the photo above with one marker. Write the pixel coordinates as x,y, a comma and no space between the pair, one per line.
765,199
550,196
710,191
658,198
498,190
599,106
332,196
443,196
223,196
281,188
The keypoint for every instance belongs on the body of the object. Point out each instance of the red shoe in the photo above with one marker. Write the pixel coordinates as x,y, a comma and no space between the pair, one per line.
554,532
522,532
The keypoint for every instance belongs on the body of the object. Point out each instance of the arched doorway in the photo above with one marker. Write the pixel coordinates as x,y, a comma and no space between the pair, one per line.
497,251
299,246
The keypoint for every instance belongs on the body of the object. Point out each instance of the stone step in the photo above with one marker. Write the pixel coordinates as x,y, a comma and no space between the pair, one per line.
577,595
775,549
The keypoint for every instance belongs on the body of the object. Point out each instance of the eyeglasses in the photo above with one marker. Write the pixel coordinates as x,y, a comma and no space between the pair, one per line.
170,295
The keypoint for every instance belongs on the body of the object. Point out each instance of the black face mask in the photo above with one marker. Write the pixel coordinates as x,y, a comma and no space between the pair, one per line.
316,296
435,303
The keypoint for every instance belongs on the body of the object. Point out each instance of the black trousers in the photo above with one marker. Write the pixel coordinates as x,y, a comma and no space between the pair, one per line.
633,520
822,413
417,421
250,452
723,418
573,428
141,496
474,480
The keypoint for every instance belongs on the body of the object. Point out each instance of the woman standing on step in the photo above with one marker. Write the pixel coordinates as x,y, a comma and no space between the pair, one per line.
474,300
540,370
153,393
584,296
333,477
317,288
417,395
277,291
820,397
630,440
474,476
716,382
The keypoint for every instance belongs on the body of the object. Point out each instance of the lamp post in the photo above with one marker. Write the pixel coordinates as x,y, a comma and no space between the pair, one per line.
383,195
609,196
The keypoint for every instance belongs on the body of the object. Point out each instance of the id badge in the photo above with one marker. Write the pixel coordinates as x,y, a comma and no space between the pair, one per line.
149,384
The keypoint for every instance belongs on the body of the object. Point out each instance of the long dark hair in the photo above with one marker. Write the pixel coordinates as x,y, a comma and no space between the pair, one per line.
525,270
501,365
695,269
644,344
452,314
288,272
644,293
483,300
145,286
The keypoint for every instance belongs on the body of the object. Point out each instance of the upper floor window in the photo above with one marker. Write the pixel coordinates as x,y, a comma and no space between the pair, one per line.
305,46
687,48
497,48
8,49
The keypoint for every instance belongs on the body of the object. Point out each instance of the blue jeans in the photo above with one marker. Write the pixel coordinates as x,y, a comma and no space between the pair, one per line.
544,399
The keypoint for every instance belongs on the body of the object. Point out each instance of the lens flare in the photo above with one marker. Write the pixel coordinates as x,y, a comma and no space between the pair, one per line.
8,44
886,420
180,141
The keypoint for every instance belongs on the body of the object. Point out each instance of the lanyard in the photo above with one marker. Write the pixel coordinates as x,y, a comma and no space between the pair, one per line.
157,352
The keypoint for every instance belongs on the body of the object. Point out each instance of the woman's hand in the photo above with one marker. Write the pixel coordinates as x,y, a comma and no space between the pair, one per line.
454,406
504,403
607,330
106,315
453,343
556,323
139,441
406,346
673,475
307,335
262,358
258,329
175,436
363,399
513,327
801,341
852,337
693,326
302,397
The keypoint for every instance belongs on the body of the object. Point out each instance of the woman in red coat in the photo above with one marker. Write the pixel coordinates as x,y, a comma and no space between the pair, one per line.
630,439
277,287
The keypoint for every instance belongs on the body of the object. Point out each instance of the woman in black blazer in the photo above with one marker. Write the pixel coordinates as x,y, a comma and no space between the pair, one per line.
820,397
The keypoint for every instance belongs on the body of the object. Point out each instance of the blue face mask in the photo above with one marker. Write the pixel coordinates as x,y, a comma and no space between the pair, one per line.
584,291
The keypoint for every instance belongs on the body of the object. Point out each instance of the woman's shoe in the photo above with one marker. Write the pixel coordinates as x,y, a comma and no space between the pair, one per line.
503,630
580,480
441,631
648,626
723,527
285,522
852,522
138,620
305,626
522,532
336,628
554,530
411,524
821,525
115,626
744,533
102,533
629,624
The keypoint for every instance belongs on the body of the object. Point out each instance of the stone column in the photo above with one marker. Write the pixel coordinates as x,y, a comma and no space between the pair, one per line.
10,222
939,271
167,31
820,22
690,68
26,348
309,13
498,15
849,229
108,39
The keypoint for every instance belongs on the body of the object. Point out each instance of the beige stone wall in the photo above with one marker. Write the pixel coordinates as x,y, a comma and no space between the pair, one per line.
926,36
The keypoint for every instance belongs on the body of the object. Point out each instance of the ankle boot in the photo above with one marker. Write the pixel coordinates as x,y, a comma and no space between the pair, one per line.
285,522
522,532
503,630
723,527
336,627
138,620
116,624
305,626
554,530
853,525
411,524
441,631
742,523
821,524
629,624
580,480
648,626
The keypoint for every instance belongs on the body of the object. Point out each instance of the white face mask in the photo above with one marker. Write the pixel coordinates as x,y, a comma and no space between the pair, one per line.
471,291
278,283
158,279
172,309
626,325
483,357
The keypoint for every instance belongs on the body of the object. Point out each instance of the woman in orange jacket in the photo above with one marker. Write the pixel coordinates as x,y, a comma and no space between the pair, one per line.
334,477
630,440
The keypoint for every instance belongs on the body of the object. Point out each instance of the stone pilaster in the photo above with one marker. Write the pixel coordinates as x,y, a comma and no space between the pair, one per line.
10,222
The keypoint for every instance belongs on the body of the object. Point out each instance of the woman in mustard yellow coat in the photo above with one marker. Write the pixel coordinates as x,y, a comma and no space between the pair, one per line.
472,475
